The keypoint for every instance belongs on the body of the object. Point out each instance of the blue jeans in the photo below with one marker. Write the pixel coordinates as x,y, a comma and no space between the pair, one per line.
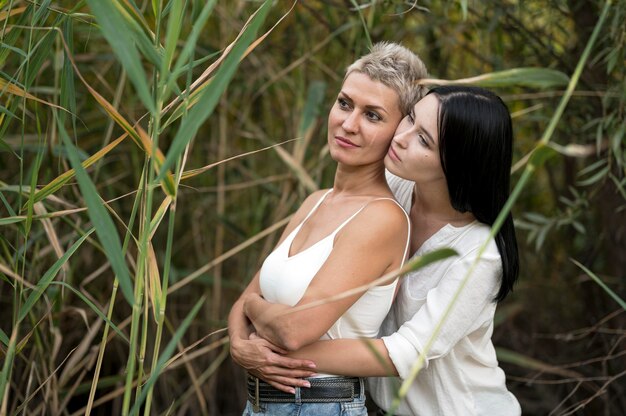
355,407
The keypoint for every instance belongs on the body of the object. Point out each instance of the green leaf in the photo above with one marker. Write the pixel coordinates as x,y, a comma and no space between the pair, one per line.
428,258
44,282
4,338
68,91
524,361
600,283
210,96
12,220
540,154
182,66
37,56
596,177
105,228
94,308
525,77
122,41
167,353
464,8
174,25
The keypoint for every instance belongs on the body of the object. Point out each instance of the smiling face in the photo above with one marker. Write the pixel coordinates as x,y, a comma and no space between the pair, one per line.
362,121
414,150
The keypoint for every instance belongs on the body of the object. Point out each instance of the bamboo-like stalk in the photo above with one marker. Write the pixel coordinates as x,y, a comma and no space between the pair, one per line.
103,342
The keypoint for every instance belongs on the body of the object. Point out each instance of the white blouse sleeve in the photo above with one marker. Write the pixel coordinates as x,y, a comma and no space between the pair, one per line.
474,305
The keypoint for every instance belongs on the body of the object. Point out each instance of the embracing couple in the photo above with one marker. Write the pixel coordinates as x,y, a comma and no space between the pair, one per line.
416,171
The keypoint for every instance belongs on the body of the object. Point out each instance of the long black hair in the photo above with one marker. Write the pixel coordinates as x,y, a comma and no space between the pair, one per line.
475,147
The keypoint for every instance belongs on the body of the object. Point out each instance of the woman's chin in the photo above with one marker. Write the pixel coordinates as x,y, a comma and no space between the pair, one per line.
390,165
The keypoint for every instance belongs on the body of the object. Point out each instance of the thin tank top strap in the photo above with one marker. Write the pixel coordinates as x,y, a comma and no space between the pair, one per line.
408,237
317,204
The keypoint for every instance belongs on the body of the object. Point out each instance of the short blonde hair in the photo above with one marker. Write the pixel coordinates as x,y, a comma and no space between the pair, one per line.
396,67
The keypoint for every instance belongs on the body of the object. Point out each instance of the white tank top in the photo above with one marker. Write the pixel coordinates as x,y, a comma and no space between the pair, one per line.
284,279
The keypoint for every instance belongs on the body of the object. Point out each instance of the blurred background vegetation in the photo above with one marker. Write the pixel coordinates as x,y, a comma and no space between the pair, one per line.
184,230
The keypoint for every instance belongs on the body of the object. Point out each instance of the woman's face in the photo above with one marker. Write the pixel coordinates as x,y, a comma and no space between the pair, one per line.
362,121
414,150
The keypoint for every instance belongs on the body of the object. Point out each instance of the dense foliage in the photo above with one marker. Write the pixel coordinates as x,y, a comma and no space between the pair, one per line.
146,168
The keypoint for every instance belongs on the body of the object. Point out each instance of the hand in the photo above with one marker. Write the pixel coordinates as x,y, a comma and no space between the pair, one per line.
263,359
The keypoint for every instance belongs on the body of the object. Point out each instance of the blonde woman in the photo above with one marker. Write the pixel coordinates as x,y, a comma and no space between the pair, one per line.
327,247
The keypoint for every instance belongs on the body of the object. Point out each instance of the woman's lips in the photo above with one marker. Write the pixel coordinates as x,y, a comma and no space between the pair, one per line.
343,142
393,155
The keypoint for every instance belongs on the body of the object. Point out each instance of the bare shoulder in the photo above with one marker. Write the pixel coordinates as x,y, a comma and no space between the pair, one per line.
381,221
385,212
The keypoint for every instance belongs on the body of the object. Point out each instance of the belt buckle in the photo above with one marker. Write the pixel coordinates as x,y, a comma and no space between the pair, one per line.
256,406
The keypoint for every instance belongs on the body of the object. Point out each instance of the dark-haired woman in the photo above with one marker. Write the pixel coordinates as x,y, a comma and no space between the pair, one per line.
450,163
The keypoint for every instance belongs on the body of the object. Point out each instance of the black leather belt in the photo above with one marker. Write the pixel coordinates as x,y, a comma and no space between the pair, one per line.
322,390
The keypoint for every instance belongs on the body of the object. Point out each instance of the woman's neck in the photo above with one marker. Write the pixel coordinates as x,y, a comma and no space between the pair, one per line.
361,180
431,210
432,204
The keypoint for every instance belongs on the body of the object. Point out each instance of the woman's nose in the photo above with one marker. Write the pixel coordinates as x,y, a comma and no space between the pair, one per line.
400,138
350,124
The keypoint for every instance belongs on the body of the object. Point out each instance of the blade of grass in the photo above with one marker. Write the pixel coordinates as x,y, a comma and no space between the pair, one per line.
174,25
105,228
414,264
513,357
46,279
203,80
58,182
16,90
13,12
7,367
94,308
167,353
4,338
122,40
190,44
209,99
527,77
195,172
363,23
103,342
600,283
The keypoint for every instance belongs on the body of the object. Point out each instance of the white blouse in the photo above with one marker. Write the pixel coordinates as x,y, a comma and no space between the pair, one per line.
460,374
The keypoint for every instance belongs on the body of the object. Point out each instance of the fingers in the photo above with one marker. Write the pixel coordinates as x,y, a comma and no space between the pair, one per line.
287,383
293,362
281,387
273,371
282,383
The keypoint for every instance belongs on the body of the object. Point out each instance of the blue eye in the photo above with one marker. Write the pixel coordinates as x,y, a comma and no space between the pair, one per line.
372,116
343,103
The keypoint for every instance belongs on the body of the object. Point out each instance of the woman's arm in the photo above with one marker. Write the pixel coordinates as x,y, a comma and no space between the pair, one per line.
454,308
349,357
381,228
258,356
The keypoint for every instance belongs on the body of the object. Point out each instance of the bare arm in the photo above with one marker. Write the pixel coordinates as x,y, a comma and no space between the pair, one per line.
381,228
258,356
349,357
